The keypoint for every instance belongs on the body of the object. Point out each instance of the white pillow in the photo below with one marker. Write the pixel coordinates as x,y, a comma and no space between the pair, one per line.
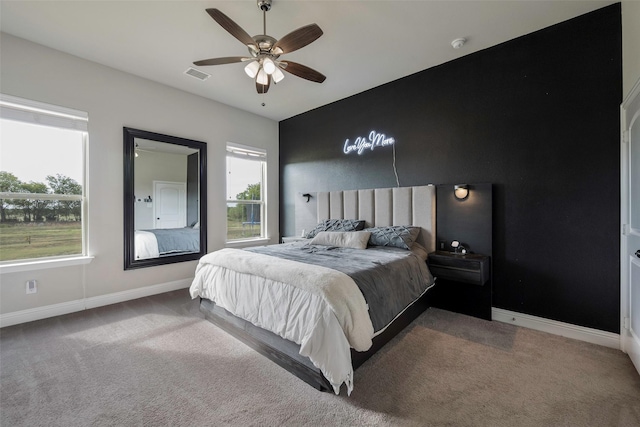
343,239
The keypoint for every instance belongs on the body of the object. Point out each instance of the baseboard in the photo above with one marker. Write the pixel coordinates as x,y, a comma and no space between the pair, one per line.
568,330
53,310
31,314
631,346
123,296
594,336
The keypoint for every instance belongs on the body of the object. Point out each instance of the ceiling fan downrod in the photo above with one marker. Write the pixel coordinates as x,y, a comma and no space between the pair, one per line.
265,6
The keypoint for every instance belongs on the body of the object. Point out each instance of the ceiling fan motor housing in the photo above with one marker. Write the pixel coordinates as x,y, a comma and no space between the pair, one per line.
264,43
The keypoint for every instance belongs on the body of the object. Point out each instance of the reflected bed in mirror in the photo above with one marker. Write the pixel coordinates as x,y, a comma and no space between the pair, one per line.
164,199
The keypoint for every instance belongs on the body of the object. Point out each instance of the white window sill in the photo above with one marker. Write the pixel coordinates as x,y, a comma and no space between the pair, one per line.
248,242
44,264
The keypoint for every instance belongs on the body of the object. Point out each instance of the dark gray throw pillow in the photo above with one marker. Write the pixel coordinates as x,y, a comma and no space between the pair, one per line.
336,225
399,236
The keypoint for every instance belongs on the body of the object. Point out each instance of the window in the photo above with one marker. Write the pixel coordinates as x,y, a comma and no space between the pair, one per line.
42,181
246,172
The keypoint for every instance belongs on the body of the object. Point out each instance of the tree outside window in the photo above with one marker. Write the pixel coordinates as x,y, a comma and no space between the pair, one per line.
245,193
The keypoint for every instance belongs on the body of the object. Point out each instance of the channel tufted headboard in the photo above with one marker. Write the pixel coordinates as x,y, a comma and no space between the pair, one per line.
382,207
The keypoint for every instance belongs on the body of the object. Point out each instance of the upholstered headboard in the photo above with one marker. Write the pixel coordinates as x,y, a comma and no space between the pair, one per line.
382,207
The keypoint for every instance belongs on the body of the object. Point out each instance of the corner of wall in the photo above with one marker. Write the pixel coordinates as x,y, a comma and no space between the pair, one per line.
630,45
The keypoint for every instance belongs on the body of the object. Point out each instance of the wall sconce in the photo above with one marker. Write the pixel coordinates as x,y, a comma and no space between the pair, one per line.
461,191
307,195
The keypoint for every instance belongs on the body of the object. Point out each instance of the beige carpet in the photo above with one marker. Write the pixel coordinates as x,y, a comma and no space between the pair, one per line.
155,361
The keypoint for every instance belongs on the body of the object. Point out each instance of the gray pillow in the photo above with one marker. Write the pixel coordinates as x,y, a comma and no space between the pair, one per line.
342,239
399,236
336,225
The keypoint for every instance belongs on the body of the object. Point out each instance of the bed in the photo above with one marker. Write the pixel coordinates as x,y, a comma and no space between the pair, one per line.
164,241
321,307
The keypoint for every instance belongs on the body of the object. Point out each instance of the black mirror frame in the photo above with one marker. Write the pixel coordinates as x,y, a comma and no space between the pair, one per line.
129,198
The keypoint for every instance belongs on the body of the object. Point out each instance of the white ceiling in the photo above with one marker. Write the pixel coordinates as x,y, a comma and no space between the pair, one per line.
365,44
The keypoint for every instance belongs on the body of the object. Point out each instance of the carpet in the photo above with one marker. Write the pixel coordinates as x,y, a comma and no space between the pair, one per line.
155,361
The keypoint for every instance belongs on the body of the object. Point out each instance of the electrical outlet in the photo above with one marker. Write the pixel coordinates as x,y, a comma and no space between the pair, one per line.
32,286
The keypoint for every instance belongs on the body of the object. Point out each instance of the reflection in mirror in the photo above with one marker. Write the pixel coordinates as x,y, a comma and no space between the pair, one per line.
164,199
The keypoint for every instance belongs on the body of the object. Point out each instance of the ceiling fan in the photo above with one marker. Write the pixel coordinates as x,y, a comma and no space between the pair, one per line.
264,64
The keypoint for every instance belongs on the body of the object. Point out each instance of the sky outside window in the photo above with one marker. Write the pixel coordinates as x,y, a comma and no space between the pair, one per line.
240,174
31,152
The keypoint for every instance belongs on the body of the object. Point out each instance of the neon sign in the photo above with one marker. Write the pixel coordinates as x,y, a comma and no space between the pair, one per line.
375,140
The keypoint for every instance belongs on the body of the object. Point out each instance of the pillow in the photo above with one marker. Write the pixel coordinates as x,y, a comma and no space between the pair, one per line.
400,236
336,225
196,225
420,250
342,239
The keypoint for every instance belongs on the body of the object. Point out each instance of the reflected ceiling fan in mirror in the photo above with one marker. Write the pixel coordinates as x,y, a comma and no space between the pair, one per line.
264,64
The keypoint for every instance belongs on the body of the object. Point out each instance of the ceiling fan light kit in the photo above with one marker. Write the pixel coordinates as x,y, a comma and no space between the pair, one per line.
268,65
263,77
252,69
264,65
277,75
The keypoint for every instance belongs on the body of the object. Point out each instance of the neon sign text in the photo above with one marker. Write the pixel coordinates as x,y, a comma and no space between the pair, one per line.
361,143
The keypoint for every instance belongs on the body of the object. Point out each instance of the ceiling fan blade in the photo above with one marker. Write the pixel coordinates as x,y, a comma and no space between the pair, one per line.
234,29
297,39
220,61
263,88
303,71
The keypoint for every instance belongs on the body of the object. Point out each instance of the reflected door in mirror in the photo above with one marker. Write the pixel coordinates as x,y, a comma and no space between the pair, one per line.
171,204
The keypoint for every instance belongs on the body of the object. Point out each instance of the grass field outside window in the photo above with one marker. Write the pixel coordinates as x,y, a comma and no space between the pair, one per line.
22,241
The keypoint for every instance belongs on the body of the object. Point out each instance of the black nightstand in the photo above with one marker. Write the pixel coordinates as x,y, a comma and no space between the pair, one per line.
463,282
474,269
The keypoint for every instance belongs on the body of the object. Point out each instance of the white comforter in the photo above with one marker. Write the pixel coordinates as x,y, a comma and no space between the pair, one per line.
146,245
320,309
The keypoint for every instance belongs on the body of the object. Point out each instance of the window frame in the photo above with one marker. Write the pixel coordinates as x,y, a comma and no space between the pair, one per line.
254,154
54,116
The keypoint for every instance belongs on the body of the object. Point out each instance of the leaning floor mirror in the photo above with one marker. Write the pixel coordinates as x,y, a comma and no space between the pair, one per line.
164,199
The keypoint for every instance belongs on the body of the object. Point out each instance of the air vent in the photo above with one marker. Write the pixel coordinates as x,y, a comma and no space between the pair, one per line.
197,74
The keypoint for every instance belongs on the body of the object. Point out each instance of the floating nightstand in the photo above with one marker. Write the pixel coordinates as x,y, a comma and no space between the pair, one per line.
474,269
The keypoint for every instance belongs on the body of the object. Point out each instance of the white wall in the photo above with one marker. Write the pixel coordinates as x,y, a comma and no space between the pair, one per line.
152,167
630,45
114,99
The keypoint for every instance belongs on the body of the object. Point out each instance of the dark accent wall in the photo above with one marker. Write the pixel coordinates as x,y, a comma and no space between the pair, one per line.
538,117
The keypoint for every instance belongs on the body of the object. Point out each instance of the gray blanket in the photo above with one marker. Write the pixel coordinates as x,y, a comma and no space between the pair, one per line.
389,278
172,240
